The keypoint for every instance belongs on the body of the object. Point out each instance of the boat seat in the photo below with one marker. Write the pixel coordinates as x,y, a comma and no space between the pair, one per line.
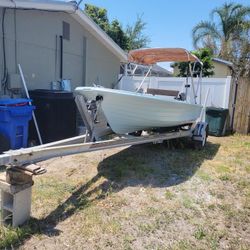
162,92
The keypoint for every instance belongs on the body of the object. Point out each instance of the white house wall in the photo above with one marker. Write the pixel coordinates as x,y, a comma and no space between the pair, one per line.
102,67
86,60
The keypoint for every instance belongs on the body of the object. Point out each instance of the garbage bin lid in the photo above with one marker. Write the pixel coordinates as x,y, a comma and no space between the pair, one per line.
14,102
48,93
215,109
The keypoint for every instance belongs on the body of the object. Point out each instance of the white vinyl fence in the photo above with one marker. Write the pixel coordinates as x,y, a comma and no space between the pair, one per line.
219,88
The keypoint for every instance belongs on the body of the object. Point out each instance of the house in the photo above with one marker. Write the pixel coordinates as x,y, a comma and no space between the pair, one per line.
142,70
222,68
160,71
54,40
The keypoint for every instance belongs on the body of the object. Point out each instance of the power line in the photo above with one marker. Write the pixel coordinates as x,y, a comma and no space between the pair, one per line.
79,4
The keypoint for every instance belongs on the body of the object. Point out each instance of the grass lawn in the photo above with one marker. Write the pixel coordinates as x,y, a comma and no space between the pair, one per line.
142,197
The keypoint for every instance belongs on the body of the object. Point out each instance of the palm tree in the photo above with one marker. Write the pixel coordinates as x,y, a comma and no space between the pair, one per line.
229,30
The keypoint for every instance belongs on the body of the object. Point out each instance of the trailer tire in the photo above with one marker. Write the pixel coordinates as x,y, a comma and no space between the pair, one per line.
136,133
4,143
199,145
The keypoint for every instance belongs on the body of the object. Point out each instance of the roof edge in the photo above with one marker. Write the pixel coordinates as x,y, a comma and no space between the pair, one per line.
219,60
39,5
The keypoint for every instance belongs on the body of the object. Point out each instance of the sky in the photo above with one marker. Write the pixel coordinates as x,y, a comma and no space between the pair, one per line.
169,22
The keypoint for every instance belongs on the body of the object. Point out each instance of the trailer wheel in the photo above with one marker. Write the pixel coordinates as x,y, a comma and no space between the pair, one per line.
4,143
136,133
201,144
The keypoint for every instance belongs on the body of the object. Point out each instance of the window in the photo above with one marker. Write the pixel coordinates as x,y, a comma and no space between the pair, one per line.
66,31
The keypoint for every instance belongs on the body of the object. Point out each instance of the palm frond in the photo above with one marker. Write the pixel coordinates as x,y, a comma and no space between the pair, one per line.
239,24
228,30
203,30
234,8
232,16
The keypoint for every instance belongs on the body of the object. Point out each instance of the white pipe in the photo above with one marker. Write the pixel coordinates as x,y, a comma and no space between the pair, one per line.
203,111
192,82
200,83
28,96
126,69
133,72
144,79
205,101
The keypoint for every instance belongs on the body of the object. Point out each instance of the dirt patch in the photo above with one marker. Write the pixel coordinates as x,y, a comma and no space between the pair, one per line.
142,197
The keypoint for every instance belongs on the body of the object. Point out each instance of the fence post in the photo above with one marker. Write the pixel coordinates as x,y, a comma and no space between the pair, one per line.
227,92
242,108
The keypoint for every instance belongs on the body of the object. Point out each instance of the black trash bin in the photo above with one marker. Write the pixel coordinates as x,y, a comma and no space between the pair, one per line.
55,113
216,119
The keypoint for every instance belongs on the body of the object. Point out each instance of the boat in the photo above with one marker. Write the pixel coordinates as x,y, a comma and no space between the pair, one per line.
128,112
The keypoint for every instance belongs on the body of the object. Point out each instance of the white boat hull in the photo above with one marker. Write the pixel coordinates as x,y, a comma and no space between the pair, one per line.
128,112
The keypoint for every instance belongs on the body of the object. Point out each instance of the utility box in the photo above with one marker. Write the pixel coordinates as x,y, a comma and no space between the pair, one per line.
216,119
55,113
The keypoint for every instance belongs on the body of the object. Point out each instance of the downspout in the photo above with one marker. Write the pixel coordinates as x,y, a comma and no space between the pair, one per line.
234,103
5,71
15,30
61,57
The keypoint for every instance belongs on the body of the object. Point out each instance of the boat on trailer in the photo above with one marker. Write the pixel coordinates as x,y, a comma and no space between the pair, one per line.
128,112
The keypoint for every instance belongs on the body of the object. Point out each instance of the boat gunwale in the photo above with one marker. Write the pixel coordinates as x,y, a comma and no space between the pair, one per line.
134,94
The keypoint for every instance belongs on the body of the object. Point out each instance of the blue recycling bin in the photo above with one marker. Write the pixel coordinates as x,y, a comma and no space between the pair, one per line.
15,115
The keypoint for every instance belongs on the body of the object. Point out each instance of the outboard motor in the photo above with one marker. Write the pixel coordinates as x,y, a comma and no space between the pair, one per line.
181,96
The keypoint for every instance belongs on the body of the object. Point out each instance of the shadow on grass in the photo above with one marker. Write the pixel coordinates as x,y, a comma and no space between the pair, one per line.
143,165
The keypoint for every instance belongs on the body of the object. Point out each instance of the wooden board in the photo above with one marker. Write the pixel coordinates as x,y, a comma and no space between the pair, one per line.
242,108
162,92
13,189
